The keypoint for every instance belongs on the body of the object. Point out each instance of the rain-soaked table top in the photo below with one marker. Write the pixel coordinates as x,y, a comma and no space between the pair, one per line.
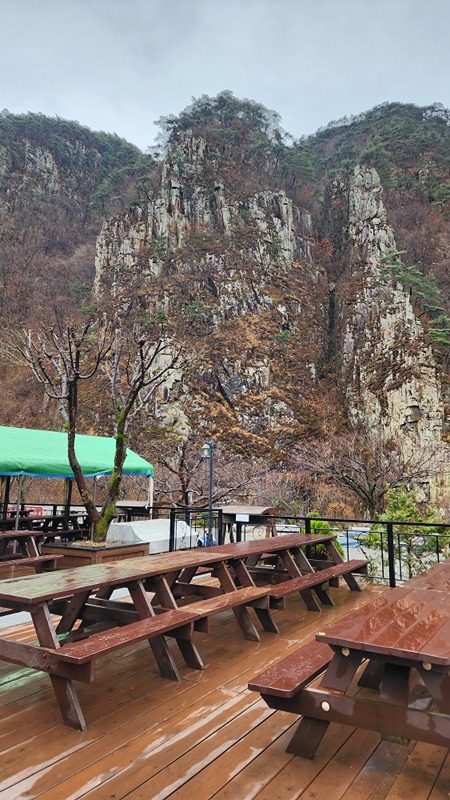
32,589
408,623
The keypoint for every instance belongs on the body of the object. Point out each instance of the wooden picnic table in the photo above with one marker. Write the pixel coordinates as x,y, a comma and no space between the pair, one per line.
84,593
166,600
403,632
52,524
25,550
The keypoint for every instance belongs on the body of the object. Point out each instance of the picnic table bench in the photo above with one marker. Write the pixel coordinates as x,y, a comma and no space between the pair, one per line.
290,570
178,622
304,584
405,630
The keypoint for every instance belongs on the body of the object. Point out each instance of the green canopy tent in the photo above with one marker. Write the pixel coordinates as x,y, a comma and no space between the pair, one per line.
43,454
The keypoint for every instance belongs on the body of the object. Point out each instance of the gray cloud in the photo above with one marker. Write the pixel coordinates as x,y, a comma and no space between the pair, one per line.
117,66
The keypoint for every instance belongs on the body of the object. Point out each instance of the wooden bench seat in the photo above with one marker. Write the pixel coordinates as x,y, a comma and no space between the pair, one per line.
99,644
312,579
32,561
293,673
256,596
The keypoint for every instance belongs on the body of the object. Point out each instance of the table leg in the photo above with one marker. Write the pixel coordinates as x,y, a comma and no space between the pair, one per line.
333,552
267,621
438,684
372,675
158,644
307,737
296,564
184,639
71,612
245,579
310,731
300,560
309,600
240,612
395,684
26,546
323,596
32,548
64,690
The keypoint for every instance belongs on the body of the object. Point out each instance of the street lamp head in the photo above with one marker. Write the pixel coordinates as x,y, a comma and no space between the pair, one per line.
206,451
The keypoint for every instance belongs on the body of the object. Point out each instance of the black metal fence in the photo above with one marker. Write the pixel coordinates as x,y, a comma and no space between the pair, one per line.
395,550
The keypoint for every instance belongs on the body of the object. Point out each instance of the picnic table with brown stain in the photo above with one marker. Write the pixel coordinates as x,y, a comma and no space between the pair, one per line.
165,601
403,633
25,550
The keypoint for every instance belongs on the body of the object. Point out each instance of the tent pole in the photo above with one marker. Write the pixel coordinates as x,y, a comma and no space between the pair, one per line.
94,500
6,484
150,496
19,495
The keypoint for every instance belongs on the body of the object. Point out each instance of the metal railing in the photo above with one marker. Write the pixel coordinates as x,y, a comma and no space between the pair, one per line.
395,550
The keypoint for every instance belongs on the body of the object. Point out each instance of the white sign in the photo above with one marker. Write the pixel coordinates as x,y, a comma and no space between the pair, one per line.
242,517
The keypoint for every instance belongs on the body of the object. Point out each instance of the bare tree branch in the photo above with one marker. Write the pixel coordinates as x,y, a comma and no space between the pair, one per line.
369,467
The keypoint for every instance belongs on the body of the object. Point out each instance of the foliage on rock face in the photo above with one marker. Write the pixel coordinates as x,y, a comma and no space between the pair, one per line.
407,145
425,292
71,144
225,116
58,180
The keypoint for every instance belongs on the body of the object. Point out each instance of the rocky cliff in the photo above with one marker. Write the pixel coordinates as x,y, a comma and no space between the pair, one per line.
387,368
268,260
270,334
56,180
236,278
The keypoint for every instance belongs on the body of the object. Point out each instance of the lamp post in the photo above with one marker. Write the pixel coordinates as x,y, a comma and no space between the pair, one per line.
208,452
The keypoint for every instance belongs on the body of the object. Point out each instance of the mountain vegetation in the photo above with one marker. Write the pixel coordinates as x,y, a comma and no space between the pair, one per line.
271,263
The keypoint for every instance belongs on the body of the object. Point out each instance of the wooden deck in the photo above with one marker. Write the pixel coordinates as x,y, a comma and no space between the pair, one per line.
205,737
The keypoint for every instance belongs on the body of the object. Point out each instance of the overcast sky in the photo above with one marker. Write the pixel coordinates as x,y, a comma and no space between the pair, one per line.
118,65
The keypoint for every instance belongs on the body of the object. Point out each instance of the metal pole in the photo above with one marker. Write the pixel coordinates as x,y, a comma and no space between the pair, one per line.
19,498
210,494
150,497
391,554
172,530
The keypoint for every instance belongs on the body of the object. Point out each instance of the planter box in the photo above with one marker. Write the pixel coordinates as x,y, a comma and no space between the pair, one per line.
79,554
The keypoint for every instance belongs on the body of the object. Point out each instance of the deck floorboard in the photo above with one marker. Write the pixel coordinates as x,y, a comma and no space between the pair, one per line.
204,737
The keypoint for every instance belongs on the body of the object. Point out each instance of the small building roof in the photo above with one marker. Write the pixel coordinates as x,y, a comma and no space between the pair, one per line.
253,512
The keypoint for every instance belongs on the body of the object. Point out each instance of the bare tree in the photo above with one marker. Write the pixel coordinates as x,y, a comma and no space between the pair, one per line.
135,361
183,476
368,466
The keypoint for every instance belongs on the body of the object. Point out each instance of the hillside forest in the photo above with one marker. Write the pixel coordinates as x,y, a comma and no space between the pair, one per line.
292,296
